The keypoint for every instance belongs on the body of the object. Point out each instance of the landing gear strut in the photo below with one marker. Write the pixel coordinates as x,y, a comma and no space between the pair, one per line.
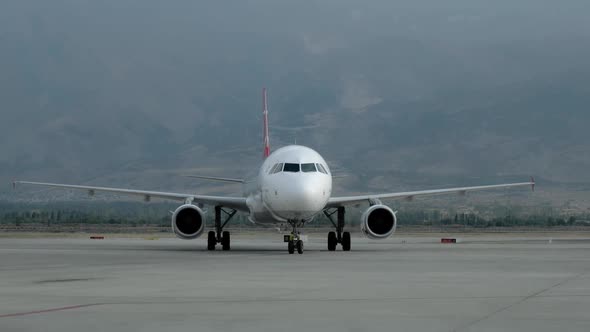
339,236
219,235
293,240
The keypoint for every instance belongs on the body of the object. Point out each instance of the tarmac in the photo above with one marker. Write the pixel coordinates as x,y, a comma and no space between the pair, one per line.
499,283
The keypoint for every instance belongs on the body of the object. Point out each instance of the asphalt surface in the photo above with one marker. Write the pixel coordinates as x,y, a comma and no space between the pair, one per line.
401,284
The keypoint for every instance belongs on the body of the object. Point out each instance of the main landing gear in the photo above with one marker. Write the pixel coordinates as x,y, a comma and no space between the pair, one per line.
293,240
339,236
219,235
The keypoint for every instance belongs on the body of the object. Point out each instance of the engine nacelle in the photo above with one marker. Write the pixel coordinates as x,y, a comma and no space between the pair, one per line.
378,222
188,222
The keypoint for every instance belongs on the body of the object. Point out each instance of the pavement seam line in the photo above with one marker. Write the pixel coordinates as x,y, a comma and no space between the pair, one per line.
34,312
522,300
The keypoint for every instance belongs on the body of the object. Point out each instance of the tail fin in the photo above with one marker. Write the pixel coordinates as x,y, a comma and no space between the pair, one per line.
265,128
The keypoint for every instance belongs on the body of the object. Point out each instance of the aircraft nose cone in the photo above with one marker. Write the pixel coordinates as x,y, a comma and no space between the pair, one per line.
305,197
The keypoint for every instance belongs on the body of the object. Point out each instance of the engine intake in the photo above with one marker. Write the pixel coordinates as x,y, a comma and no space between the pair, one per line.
378,222
188,222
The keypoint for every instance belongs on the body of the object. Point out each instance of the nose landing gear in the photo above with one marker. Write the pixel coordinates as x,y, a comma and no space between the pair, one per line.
339,236
293,240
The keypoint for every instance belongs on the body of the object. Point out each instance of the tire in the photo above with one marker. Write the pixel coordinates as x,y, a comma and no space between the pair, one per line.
211,240
346,241
299,246
291,247
332,241
225,241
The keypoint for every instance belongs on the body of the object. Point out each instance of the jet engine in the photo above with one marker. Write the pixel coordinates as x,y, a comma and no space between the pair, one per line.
188,222
378,222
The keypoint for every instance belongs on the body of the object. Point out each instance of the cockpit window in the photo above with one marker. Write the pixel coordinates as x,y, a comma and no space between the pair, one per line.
308,168
276,168
321,168
291,168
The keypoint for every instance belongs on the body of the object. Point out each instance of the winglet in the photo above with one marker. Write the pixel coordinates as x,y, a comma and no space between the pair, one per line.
265,127
532,183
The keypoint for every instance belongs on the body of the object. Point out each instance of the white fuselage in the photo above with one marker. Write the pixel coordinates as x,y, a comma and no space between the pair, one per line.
294,183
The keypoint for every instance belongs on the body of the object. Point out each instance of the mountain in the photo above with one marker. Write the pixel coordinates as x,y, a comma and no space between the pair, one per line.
402,94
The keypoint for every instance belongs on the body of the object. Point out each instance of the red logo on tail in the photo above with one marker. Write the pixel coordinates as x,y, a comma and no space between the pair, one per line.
265,126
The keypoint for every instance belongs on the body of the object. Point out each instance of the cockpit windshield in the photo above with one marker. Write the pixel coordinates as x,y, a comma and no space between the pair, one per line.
295,168
291,168
308,168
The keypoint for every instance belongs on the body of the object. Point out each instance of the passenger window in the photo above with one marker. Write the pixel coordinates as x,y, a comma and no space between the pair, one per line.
308,168
291,168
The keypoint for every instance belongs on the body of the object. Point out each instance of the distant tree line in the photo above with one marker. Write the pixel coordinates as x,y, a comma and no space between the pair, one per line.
158,214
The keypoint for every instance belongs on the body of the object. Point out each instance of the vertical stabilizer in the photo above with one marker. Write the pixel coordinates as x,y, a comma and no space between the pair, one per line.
265,128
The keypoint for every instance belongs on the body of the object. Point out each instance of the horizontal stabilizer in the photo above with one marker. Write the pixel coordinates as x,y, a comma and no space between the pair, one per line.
214,178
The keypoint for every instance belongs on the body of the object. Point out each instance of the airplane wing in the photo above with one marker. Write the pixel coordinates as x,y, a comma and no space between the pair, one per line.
352,200
238,203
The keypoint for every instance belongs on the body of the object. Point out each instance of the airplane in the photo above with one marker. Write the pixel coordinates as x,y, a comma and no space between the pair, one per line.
293,185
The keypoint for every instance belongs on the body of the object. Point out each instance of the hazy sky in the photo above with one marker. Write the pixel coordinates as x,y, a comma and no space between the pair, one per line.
91,87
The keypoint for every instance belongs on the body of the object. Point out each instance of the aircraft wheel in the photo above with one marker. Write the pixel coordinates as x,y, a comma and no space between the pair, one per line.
225,241
299,246
346,241
332,241
291,247
211,240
